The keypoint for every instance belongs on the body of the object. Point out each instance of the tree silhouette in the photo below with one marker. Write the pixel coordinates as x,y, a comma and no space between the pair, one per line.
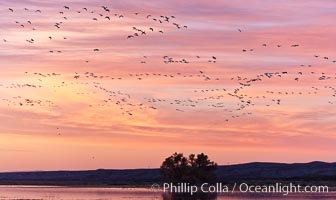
194,169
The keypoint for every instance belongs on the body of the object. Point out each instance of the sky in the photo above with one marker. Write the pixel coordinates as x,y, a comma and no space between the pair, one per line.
241,82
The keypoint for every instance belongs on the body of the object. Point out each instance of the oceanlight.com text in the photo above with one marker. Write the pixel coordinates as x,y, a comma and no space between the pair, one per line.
283,189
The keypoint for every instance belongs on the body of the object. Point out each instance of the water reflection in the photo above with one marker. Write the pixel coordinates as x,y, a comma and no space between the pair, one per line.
65,193
197,196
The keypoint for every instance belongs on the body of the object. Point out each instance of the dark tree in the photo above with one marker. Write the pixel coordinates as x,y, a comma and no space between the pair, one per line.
194,169
175,168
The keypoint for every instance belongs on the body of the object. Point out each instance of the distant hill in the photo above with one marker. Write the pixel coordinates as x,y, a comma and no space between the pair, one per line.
314,171
262,171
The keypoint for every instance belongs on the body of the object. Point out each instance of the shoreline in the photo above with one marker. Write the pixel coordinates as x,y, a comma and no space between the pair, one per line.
330,184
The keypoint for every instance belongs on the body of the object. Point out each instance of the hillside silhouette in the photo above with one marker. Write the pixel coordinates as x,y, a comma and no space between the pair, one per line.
258,171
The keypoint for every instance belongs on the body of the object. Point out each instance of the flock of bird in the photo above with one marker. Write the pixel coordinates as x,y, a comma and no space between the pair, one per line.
230,95
103,14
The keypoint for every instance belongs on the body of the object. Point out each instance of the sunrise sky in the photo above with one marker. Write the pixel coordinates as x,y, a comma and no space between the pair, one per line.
124,107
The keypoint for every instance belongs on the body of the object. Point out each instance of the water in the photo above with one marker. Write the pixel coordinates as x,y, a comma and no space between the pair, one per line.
64,193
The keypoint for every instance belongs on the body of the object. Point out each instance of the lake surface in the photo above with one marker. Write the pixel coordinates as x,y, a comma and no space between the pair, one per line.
65,193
